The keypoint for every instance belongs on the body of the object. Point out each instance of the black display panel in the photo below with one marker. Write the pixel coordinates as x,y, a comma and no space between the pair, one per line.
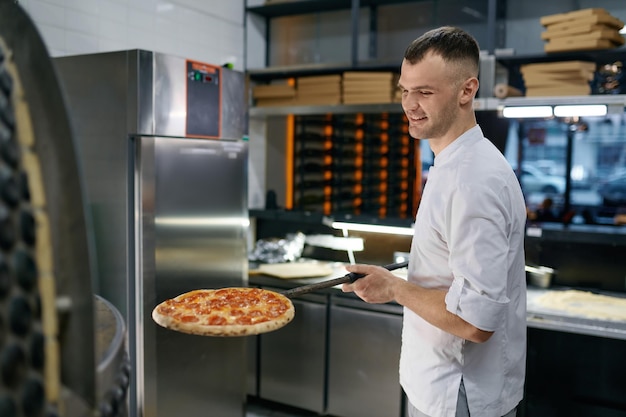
204,111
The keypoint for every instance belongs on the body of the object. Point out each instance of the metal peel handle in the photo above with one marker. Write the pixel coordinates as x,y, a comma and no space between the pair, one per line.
351,277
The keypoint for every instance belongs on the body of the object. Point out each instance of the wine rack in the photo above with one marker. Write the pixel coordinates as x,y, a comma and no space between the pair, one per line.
359,164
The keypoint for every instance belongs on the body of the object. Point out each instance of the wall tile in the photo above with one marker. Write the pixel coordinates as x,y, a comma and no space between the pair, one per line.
232,11
47,13
208,31
80,43
141,20
54,37
140,39
90,6
166,44
108,45
164,26
110,29
113,11
79,21
145,5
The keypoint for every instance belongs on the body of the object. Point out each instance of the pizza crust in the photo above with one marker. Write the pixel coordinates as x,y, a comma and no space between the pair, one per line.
169,321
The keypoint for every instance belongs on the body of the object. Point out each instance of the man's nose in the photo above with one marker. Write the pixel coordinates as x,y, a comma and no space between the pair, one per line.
410,102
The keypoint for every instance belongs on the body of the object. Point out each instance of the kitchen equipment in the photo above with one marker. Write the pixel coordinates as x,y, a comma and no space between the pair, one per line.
351,277
371,370
159,140
63,351
540,276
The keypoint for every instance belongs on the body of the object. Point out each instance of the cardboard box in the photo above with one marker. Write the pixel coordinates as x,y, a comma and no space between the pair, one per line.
608,34
278,101
560,66
368,76
577,14
367,98
318,100
273,91
586,45
577,29
319,79
581,30
577,90
561,78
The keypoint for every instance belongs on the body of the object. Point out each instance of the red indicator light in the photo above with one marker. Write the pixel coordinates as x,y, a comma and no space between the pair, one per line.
208,79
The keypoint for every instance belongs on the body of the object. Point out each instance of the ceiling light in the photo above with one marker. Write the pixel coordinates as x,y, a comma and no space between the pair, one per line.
519,112
580,110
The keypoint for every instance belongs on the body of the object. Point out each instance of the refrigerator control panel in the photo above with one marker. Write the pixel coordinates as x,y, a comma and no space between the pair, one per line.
204,111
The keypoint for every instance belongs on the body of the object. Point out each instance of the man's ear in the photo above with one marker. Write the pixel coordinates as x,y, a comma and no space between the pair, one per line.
469,90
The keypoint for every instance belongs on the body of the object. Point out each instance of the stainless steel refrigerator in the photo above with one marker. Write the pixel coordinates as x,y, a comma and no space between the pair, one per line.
159,140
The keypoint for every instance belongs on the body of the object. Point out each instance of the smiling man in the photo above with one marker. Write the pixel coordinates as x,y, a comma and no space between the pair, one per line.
464,334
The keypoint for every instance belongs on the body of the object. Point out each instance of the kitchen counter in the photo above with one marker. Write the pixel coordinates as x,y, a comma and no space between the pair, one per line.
543,318
537,316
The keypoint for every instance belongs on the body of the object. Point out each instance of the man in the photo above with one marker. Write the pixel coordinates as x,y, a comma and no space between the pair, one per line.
464,334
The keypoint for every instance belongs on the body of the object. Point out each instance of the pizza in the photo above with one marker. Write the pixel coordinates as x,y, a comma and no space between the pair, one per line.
229,311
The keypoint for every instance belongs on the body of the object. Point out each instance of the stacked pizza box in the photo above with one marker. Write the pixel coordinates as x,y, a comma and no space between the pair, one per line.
318,90
581,30
365,87
279,94
564,78
397,95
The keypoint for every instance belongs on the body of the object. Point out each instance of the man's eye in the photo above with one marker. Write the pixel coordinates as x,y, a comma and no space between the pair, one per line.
425,93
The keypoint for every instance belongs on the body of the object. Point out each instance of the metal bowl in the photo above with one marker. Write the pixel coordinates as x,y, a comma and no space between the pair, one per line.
539,276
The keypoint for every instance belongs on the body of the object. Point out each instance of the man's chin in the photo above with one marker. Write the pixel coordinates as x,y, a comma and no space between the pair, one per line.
417,133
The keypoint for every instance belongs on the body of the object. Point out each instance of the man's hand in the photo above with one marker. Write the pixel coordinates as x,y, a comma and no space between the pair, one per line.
376,287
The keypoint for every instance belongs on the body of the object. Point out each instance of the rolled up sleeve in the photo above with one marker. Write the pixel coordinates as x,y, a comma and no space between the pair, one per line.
477,309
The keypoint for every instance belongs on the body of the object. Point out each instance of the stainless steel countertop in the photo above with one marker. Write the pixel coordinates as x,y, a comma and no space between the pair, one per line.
537,317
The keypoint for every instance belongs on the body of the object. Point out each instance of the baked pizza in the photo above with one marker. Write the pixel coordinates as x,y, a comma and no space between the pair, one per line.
225,312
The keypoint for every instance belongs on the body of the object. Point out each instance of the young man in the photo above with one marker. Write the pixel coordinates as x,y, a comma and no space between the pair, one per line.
464,334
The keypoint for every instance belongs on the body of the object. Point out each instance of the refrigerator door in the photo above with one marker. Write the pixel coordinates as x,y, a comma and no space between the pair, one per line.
191,225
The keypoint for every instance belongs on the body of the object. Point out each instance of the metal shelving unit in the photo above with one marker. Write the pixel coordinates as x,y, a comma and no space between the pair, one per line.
298,7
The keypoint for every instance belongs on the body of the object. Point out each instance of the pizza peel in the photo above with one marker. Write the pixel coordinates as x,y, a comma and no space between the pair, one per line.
294,292
350,277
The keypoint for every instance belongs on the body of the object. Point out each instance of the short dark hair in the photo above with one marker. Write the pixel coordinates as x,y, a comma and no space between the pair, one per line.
451,43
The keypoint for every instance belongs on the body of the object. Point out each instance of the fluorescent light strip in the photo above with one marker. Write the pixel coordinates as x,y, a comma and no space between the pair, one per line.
519,112
580,110
407,231
172,221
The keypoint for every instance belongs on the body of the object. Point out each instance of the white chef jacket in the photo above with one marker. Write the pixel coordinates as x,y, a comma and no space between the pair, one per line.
469,240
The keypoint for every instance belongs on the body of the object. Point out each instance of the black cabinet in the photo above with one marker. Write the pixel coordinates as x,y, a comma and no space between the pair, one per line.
574,375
